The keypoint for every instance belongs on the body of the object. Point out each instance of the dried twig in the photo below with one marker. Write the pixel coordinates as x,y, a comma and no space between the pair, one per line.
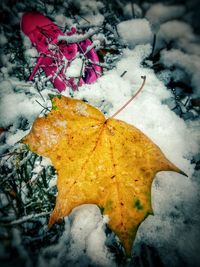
77,38
45,108
24,219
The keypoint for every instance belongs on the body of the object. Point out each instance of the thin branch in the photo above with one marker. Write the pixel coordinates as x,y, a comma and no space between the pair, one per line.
81,73
83,18
77,38
90,47
25,218
86,26
103,65
153,46
45,108
7,154
132,9
123,73
126,104
40,93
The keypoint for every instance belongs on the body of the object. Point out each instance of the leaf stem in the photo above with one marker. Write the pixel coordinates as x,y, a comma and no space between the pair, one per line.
126,104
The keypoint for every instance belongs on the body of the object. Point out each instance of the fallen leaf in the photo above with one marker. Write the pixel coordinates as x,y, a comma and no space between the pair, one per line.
2,130
99,161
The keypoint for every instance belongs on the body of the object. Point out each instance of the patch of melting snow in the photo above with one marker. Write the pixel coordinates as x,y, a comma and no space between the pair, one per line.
60,123
82,109
51,137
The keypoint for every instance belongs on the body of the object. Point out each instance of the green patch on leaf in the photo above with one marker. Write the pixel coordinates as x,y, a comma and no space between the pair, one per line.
51,96
54,107
108,206
137,204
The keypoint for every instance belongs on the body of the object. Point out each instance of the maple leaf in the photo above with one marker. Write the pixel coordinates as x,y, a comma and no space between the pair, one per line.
99,161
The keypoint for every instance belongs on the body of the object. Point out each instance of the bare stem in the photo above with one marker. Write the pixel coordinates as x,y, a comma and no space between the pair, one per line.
76,38
7,154
25,218
45,108
126,104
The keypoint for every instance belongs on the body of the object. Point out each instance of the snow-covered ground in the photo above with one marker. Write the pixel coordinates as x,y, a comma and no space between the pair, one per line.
153,40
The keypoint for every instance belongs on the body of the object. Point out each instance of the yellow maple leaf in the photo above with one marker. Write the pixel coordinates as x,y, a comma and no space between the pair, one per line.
99,161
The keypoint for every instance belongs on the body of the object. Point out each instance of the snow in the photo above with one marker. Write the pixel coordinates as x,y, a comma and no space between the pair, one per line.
21,107
173,228
38,168
177,31
81,109
96,20
21,113
88,7
140,31
87,233
50,137
3,39
60,123
82,242
12,139
32,52
189,63
131,10
76,38
159,13
75,68
62,21
169,221
7,66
